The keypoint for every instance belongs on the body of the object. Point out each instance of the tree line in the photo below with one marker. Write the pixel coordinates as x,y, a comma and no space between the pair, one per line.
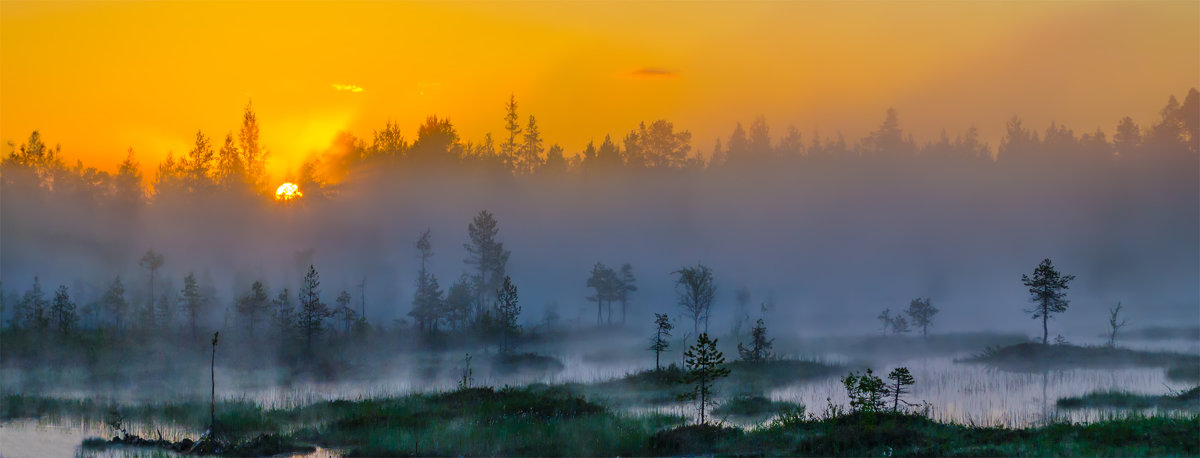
237,165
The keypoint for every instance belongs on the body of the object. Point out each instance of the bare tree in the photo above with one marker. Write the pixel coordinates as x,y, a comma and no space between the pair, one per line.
1114,324
696,289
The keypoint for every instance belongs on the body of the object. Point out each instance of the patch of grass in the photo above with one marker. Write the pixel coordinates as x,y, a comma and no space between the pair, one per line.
518,362
1037,357
1189,399
753,407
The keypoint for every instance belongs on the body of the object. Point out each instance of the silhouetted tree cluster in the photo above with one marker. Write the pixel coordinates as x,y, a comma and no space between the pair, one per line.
610,286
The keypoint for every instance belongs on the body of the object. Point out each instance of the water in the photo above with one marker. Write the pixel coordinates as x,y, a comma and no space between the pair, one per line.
961,393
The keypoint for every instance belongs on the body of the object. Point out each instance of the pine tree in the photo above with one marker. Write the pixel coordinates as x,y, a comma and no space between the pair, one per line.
35,307
114,302
922,311
531,148
703,363
900,378
283,314
507,310
313,312
427,300
253,306
626,284
866,391
349,316
254,157
62,312
659,342
1047,292
487,255
151,261
760,346
513,126
194,301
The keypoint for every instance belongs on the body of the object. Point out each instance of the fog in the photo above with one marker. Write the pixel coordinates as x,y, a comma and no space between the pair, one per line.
829,238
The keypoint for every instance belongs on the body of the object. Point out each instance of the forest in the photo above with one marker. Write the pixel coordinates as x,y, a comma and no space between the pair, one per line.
433,295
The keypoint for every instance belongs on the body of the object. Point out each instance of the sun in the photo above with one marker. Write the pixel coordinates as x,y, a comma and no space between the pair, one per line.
288,191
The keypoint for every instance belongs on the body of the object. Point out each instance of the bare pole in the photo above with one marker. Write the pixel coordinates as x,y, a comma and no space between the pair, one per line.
212,407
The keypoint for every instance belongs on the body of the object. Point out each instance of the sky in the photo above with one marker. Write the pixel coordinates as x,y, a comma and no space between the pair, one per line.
100,77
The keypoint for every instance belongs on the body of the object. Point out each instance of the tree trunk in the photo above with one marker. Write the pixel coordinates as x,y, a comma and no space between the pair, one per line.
212,407
1045,329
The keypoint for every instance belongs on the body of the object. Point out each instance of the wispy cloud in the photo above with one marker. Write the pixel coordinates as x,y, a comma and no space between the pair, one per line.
347,87
654,72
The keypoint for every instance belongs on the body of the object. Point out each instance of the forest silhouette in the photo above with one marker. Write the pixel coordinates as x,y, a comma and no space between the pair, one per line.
778,212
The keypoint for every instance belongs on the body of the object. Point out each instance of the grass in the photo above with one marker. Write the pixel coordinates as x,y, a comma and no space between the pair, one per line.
901,434
752,407
540,420
662,386
1189,399
1036,357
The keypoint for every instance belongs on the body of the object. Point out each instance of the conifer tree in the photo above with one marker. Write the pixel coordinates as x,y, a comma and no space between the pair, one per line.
1047,291
62,312
900,378
507,309
313,312
253,306
703,363
760,346
659,342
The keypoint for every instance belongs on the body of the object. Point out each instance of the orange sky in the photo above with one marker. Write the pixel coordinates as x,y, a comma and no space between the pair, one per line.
100,77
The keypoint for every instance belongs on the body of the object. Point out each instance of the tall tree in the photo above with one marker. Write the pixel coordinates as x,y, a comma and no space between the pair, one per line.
253,306
512,124
194,300
1047,290
427,300
457,306
696,290
114,302
151,261
487,255
313,312
704,367
601,281
349,316
33,307
231,172
760,346
62,312
659,343
900,378
283,314
507,309
627,284
922,311
254,157
389,142
531,148
742,298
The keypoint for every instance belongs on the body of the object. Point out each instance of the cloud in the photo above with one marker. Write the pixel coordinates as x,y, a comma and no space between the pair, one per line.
347,87
654,72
